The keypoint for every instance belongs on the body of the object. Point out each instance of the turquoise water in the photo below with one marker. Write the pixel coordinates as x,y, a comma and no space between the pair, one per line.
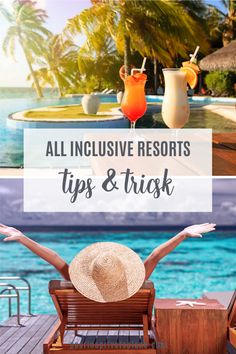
11,140
196,266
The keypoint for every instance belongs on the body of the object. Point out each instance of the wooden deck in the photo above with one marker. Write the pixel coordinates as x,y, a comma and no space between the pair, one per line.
29,338
224,154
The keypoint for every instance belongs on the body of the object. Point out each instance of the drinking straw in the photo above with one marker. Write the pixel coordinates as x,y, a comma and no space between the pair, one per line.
193,56
143,64
142,69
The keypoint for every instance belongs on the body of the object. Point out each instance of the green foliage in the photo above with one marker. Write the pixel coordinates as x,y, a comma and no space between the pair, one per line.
222,23
99,69
221,82
160,29
58,64
157,28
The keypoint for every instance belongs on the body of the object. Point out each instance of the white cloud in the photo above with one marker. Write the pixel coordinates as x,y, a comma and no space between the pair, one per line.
5,191
233,209
226,205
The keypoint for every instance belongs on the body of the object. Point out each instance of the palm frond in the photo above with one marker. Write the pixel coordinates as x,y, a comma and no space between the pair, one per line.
5,13
9,41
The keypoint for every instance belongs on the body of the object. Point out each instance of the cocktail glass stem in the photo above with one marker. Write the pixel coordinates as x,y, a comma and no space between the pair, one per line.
132,125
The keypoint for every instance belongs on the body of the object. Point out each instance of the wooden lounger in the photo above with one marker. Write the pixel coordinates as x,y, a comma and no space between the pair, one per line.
76,312
232,323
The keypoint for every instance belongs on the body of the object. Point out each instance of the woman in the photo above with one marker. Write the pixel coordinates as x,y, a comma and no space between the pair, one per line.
50,256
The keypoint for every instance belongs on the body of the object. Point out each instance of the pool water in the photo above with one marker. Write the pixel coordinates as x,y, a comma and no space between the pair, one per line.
196,266
204,119
11,140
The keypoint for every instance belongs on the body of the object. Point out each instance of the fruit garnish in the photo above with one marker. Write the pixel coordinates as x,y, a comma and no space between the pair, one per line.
194,66
139,76
122,72
191,76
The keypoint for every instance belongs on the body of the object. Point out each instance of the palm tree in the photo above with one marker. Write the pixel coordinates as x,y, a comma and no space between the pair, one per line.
26,27
99,66
156,28
59,63
229,31
223,22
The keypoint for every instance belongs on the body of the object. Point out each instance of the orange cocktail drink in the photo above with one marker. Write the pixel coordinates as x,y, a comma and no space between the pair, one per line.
134,103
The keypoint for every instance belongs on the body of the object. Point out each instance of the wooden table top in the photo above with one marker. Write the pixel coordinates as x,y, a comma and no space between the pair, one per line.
224,154
170,304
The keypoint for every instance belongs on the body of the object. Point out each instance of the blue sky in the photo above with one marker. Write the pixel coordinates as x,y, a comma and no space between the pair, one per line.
14,73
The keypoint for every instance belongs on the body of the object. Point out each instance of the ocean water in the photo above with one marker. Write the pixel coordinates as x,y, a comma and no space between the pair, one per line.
196,266
11,140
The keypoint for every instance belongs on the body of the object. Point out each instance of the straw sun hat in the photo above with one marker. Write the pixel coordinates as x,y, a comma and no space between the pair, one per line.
107,272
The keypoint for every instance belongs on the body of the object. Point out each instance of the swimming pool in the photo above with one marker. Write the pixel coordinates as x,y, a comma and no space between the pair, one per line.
154,98
11,140
197,265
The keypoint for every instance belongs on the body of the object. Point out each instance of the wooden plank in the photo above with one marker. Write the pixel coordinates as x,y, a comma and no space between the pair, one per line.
36,335
112,336
101,337
69,337
134,337
224,154
91,337
9,323
20,331
123,337
80,338
12,331
38,349
229,139
224,161
29,339
108,351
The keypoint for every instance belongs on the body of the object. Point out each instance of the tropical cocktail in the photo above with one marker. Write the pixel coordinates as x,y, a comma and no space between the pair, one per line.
175,107
134,103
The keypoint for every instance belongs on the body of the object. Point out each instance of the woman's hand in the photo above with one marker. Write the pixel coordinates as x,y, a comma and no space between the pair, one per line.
198,230
10,233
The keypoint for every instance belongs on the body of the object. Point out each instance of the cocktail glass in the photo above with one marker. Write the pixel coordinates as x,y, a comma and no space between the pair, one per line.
175,107
134,103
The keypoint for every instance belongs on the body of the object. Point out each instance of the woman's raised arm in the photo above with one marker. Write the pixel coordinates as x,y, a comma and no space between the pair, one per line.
50,256
164,249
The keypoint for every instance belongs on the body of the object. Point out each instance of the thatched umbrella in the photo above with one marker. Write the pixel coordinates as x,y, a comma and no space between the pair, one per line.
222,59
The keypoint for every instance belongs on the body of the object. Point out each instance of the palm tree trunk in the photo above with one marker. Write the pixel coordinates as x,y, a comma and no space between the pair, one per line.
60,91
36,82
127,54
59,86
155,76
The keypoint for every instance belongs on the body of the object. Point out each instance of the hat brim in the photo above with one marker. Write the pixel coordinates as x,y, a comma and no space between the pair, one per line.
81,276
